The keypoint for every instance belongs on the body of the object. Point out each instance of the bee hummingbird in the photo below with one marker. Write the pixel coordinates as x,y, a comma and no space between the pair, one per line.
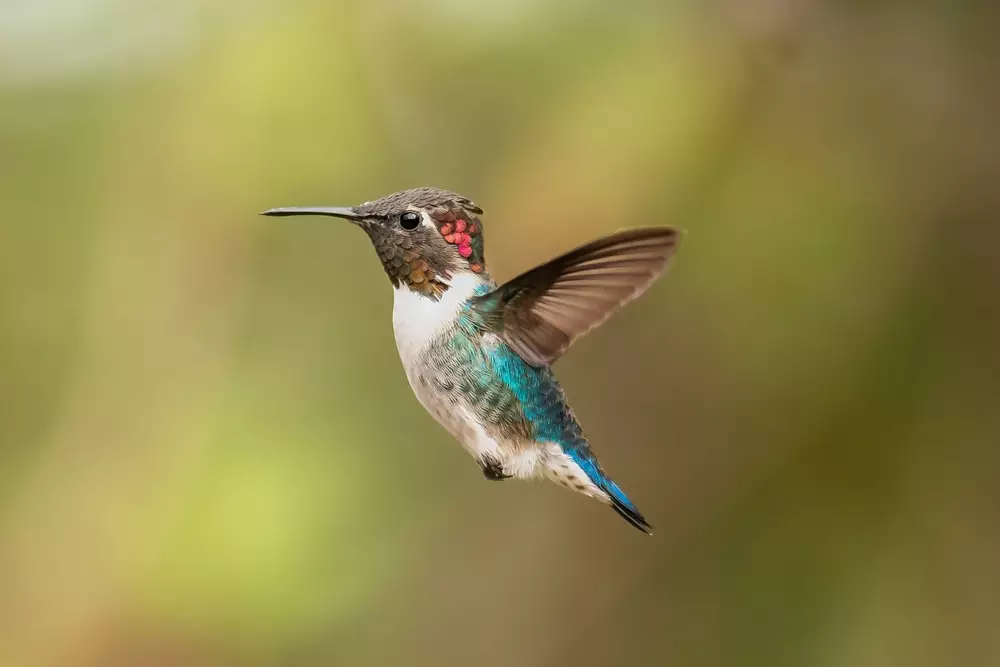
478,355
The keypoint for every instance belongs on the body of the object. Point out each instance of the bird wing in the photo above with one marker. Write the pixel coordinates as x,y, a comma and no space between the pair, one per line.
541,312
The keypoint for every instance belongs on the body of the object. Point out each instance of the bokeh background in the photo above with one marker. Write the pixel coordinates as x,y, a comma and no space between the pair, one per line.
210,455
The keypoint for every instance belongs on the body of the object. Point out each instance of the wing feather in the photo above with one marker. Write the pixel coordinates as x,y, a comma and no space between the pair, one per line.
541,312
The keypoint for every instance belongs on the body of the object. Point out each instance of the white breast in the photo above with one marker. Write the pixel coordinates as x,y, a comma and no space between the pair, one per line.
417,320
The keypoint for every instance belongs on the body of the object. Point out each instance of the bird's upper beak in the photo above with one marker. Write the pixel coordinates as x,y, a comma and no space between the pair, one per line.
347,213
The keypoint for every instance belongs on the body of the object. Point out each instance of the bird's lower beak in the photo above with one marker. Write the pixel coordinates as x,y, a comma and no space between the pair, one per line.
335,211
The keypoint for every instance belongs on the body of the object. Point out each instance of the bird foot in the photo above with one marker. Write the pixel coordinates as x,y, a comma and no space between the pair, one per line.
492,470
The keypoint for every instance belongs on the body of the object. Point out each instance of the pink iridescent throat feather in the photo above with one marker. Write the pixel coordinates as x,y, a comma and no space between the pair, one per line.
460,233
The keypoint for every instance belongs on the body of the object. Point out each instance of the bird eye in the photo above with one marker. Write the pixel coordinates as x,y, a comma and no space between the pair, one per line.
409,220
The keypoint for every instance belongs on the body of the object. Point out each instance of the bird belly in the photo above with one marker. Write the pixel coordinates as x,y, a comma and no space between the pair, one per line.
516,457
436,381
428,386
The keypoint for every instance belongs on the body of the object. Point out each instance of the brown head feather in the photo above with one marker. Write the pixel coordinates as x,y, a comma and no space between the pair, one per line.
425,258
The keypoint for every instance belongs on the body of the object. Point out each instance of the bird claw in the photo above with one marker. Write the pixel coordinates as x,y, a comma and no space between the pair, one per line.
493,471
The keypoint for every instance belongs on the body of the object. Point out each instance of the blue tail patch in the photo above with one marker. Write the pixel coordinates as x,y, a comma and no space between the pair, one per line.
619,501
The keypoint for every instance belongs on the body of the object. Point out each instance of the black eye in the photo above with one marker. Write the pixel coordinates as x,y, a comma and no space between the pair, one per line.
409,220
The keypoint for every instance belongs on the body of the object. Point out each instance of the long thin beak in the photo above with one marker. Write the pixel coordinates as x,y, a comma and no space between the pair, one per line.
335,211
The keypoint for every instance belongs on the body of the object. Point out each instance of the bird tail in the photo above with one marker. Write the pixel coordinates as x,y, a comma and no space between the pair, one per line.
624,507
615,496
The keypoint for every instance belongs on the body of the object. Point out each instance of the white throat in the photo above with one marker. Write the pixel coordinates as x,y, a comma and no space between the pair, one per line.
417,320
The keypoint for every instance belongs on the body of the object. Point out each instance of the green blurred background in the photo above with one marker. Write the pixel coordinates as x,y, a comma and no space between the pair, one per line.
210,454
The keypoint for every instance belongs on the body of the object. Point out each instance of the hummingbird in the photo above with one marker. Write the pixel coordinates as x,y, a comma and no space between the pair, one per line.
478,355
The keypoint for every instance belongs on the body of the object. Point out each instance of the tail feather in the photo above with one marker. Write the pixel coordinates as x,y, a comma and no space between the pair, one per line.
616,497
624,507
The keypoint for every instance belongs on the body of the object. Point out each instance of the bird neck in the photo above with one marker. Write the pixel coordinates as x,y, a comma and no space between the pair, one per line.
420,318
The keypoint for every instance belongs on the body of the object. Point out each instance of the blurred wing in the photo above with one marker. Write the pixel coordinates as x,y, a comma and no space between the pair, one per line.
540,313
